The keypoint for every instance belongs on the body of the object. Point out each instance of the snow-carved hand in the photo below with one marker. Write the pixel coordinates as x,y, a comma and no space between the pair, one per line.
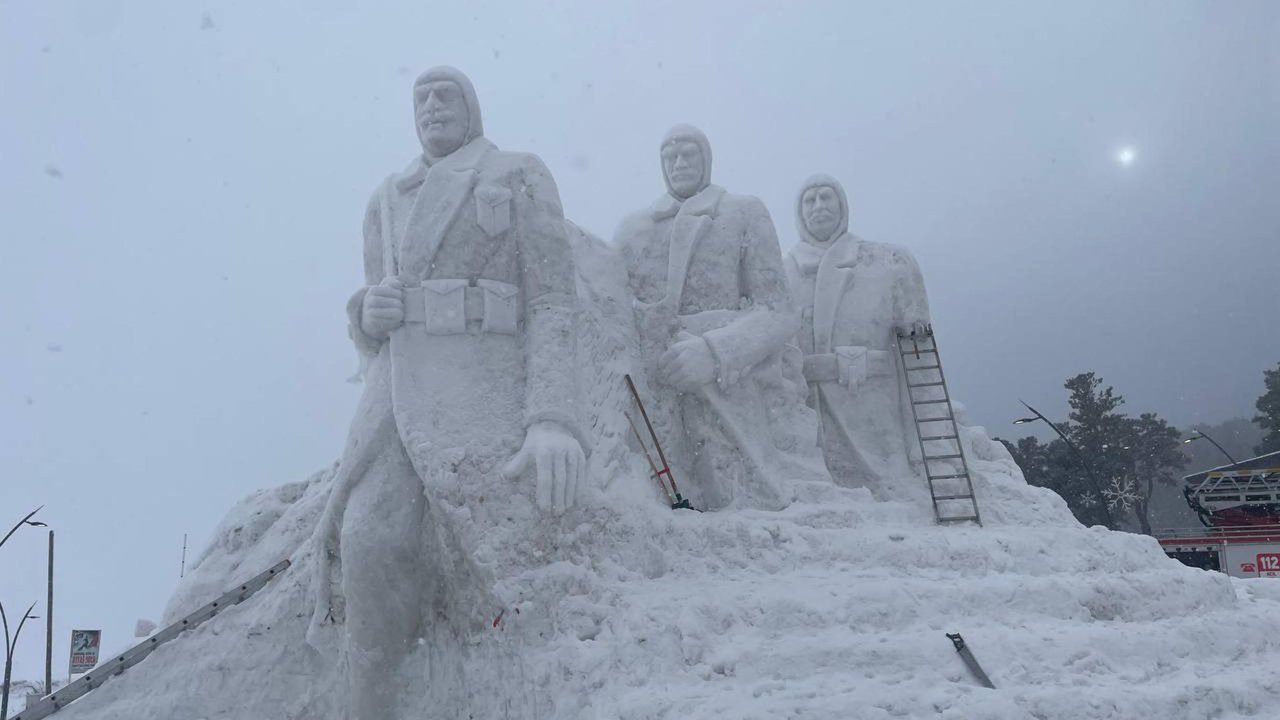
689,364
559,461
383,309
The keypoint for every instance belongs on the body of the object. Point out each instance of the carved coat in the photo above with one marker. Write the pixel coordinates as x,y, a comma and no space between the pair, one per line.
853,296
710,266
478,215
483,230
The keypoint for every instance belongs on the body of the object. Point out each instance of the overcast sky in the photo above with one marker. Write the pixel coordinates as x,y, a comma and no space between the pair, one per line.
182,187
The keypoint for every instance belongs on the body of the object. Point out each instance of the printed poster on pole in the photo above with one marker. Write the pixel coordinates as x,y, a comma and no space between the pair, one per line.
85,645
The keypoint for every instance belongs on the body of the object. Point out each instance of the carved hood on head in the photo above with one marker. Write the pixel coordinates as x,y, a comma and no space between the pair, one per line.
475,128
693,134
842,227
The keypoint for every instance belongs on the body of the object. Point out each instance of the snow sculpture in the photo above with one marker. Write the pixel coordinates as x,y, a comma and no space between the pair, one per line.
466,318
854,295
714,315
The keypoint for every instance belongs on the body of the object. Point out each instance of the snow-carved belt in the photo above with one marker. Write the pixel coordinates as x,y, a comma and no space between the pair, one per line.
454,307
848,365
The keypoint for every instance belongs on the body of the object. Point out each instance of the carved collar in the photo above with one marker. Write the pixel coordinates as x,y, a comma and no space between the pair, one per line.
809,256
464,157
704,202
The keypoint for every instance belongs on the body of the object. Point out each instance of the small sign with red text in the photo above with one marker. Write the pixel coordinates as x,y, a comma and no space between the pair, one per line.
84,650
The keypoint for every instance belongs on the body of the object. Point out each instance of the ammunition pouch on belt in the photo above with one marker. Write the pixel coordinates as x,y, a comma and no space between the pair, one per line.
849,365
454,307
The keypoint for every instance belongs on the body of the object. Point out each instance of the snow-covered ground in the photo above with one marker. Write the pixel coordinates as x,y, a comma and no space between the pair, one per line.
836,607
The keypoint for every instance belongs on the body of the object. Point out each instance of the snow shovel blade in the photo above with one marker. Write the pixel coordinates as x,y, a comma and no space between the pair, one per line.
970,660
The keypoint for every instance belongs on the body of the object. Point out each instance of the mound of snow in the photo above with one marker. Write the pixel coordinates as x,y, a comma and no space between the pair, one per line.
833,608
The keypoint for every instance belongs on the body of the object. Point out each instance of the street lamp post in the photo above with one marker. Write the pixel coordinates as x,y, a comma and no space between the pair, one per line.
1199,435
10,643
48,627
1097,486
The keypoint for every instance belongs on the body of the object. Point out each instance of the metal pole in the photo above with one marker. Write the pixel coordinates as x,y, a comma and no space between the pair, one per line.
183,570
8,670
48,627
645,414
8,663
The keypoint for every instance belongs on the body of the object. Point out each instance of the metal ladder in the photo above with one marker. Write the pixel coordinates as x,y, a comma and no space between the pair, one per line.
945,466
105,670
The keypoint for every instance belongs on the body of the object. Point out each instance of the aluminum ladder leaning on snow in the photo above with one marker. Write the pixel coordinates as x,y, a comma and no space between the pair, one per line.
51,704
945,466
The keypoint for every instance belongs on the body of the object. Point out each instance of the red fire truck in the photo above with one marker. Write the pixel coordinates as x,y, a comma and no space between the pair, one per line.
1239,506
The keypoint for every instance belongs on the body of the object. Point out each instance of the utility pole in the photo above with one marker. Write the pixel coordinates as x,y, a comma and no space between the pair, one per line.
48,627
183,570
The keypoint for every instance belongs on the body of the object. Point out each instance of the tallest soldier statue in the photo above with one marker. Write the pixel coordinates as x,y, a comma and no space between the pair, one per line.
466,318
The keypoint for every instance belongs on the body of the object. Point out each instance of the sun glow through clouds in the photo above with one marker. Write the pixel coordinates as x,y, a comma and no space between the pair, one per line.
1126,155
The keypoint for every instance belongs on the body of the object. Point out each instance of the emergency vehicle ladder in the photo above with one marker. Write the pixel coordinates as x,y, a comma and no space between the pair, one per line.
50,704
945,465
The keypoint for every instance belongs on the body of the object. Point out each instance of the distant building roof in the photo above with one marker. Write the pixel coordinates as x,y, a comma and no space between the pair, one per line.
1262,462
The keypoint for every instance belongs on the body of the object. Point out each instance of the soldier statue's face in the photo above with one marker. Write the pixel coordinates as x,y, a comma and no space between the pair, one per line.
442,116
820,208
682,162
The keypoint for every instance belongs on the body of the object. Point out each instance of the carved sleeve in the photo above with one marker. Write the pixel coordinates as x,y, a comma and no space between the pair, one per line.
547,279
372,276
911,302
768,320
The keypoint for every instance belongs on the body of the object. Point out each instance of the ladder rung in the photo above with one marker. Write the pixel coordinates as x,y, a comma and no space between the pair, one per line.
943,457
914,351
930,402
948,477
937,419
925,367
940,498
928,384
939,437
958,518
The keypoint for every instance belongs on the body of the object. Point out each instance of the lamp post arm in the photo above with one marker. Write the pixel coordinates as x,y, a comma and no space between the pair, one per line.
20,524
1220,448
1097,486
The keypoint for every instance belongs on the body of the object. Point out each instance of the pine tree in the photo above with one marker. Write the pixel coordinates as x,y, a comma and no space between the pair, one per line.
1268,417
1154,449
1098,430
1119,463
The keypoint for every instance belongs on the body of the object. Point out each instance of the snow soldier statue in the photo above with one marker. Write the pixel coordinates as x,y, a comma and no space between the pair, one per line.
714,314
854,296
465,318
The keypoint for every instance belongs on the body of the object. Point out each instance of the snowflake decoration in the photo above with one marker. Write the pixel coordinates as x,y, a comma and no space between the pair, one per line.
1088,499
1122,494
